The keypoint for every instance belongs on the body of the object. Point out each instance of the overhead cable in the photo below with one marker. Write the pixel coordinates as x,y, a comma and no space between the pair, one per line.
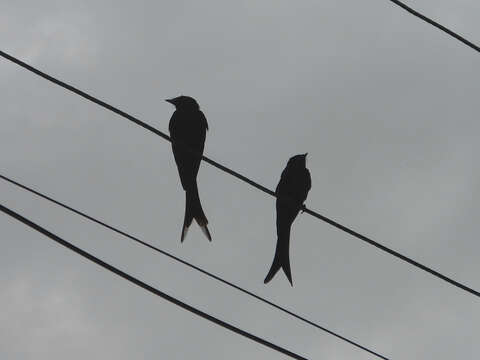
147,287
240,176
176,258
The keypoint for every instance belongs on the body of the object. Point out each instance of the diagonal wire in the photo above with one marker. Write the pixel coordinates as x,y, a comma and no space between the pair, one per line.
436,24
147,287
205,272
240,176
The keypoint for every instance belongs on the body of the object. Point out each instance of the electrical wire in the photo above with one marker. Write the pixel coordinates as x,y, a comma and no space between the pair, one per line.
205,272
436,24
240,176
147,287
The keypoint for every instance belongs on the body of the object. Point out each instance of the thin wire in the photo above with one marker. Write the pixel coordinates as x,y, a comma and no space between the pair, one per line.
436,24
394,253
148,287
239,176
205,272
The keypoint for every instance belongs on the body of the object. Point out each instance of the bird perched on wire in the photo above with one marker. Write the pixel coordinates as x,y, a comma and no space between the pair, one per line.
291,192
188,127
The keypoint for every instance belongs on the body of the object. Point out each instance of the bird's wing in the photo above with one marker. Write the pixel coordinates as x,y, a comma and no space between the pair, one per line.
172,124
203,120
308,183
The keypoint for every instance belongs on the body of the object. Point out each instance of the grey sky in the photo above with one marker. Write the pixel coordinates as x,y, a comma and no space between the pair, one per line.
386,106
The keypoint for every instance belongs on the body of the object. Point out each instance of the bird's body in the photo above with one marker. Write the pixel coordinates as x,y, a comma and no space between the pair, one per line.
188,128
291,192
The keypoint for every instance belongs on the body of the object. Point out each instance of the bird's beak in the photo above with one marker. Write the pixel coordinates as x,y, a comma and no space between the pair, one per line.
171,101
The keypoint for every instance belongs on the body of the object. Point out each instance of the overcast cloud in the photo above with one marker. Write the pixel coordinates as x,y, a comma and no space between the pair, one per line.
385,105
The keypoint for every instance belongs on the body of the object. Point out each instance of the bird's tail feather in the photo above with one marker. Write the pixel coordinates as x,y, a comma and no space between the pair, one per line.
280,260
193,210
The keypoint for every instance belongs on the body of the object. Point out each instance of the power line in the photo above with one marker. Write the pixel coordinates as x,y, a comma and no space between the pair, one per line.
436,24
205,272
240,176
147,287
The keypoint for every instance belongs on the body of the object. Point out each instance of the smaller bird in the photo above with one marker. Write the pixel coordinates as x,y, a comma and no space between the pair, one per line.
295,183
188,128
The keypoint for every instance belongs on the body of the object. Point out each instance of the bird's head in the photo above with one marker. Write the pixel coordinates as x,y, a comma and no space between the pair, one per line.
298,161
184,103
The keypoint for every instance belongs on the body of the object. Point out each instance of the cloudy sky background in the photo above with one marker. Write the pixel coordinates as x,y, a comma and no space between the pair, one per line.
386,106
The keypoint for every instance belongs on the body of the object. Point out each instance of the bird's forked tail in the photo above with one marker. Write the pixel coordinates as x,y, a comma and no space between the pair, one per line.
193,210
281,260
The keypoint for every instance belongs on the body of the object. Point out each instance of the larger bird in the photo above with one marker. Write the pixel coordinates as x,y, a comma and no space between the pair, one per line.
291,192
188,127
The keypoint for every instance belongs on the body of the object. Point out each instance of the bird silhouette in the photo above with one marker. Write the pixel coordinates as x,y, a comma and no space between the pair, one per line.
188,127
291,192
